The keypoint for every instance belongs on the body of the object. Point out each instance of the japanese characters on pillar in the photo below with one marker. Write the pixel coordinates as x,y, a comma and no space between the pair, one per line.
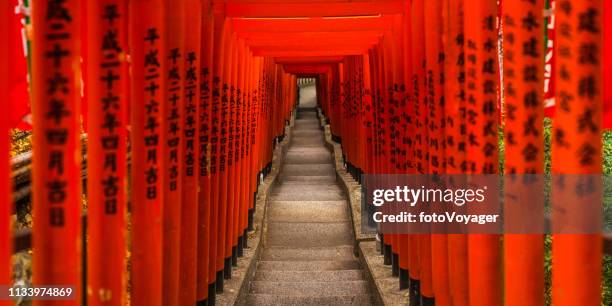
6,245
204,154
435,59
107,91
481,37
524,150
576,143
188,266
455,136
148,114
173,153
56,173
215,110
420,244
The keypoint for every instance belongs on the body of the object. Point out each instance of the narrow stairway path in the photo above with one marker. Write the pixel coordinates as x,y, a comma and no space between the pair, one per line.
308,256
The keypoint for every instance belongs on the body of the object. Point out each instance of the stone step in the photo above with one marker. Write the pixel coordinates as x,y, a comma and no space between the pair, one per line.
307,254
308,150
305,195
309,169
296,133
308,120
308,234
292,300
308,158
310,288
307,125
310,276
309,265
293,188
282,211
331,179
307,140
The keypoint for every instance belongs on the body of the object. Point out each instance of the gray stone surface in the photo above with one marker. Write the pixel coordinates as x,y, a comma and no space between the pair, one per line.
308,256
308,169
310,288
298,211
309,265
315,276
284,300
293,234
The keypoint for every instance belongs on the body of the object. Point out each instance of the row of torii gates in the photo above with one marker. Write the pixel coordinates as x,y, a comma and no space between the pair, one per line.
192,95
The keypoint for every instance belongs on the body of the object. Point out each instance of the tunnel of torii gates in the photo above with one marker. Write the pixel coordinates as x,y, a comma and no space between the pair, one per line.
186,99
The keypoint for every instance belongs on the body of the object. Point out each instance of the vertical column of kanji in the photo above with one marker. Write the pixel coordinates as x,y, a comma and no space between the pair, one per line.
577,150
244,148
56,173
422,287
6,210
357,128
435,127
402,133
230,157
223,258
238,146
245,155
147,55
107,163
391,66
216,273
481,109
190,180
374,92
367,113
380,164
407,135
254,140
217,165
358,113
173,147
455,127
204,287
524,112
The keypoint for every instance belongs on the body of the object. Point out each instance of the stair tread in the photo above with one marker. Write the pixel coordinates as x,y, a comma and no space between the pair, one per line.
308,265
311,288
310,276
285,300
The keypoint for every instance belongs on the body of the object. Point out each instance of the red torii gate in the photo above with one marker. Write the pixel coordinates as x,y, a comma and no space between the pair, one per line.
369,58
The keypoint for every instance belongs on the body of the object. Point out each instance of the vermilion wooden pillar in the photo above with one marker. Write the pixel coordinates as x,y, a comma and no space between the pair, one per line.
218,223
227,150
576,145
455,150
435,103
205,281
56,173
190,190
224,110
421,137
524,148
481,36
107,92
407,135
174,132
147,53
6,245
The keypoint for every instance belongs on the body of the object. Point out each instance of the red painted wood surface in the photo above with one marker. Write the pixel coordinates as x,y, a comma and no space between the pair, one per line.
107,92
148,113
56,168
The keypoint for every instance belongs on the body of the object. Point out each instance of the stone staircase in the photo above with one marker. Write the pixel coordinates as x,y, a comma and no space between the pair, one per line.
308,254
